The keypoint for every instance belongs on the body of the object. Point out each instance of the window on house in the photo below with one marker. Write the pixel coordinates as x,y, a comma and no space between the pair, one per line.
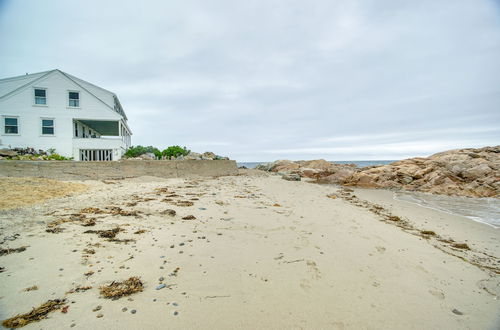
40,96
47,126
74,99
11,125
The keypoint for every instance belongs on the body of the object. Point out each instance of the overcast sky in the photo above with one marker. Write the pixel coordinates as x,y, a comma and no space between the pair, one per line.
263,80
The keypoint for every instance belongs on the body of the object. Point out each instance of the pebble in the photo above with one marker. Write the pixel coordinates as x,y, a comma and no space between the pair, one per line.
98,308
181,244
124,309
61,269
172,246
133,311
457,312
99,315
161,286
72,325
161,279
202,208
176,313
175,304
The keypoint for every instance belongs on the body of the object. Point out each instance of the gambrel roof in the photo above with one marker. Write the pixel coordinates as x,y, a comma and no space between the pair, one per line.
12,85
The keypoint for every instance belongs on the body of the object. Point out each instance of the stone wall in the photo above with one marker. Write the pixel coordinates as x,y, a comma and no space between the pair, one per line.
70,170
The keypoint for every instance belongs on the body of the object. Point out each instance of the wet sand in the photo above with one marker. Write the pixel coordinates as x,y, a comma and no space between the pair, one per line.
261,252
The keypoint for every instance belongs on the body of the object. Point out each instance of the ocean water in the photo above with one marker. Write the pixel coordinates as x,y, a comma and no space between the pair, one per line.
359,163
485,210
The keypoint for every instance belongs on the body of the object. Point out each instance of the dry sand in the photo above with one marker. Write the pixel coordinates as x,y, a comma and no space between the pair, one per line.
262,253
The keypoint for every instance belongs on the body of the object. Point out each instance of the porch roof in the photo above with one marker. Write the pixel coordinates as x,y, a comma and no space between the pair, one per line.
104,127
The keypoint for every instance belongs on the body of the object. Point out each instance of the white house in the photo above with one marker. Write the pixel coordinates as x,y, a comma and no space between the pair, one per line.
53,109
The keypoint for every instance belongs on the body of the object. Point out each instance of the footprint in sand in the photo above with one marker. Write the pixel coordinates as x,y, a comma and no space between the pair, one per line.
437,294
314,269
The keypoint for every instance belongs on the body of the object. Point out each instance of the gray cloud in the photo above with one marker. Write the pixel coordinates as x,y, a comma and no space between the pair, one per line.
264,80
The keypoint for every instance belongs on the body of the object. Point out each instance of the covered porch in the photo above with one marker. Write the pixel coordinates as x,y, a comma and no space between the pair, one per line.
96,129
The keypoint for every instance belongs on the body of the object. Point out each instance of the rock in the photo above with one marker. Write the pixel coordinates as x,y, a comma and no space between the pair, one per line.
453,172
161,286
192,156
265,167
8,153
124,309
133,311
457,312
208,155
147,156
291,177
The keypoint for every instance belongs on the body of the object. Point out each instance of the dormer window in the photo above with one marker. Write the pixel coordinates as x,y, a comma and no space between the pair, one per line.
40,96
74,99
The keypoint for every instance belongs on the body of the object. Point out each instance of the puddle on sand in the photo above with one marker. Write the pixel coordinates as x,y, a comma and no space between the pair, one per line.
485,210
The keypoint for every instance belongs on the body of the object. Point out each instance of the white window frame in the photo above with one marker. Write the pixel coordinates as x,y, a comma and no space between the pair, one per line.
46,97
18,125
79,100
53,126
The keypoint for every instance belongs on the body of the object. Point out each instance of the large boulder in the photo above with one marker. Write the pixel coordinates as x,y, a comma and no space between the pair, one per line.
8,153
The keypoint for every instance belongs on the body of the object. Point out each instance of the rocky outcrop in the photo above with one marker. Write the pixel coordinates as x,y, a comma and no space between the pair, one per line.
461,172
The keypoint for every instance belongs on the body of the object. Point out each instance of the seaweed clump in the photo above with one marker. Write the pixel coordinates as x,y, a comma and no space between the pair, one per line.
117,290
111,233
35,315
14,250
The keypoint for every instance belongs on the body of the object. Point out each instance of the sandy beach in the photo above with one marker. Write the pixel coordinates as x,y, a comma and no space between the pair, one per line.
258,252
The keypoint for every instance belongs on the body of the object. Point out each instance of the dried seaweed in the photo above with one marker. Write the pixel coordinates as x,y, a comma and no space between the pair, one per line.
427,233
169,212
115,210
54,230
94,210
4,252
35,315
31,288
110,233
125,240
140,231
184,203
462,246
89,251
79,289
117,290
88,222
189,217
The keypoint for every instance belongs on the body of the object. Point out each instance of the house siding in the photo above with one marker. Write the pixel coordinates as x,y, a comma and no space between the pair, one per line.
21,104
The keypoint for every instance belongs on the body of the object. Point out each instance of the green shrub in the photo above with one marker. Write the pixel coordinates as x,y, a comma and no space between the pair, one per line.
56,156
175,151
140,150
